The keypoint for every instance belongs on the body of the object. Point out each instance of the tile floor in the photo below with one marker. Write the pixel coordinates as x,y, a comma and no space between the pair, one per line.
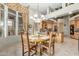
68,48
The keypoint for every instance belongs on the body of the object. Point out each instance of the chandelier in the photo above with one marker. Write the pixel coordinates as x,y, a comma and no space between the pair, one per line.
38,16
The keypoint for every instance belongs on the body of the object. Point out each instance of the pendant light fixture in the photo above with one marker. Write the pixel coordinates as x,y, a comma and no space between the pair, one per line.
38,16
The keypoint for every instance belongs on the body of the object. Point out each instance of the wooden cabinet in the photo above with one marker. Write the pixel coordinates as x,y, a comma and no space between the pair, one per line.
60,34
75,23
60,24
60,27
43,25
53,25
48,24
60,37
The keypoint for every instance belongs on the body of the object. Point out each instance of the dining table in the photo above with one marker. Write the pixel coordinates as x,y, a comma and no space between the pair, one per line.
38,38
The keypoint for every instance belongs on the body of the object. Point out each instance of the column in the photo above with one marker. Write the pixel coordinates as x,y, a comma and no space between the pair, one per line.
16,30
48,11
67,26
63,5
5,21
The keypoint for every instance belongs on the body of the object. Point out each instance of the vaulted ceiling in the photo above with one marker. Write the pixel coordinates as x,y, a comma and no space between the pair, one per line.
42,7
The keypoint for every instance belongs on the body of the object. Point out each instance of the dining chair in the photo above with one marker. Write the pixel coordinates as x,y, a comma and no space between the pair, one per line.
27,47
49,45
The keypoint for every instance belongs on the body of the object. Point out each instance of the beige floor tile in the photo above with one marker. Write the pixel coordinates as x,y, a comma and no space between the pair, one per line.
68,48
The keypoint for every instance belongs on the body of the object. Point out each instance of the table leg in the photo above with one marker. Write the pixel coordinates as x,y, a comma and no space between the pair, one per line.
39,49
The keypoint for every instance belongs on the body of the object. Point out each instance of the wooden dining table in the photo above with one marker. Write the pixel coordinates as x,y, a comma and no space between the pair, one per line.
38,39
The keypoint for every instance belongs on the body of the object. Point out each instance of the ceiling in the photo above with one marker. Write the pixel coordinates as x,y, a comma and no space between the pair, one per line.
42,7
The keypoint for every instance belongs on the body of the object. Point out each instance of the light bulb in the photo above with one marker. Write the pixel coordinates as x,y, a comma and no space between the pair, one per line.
31,17
42,16
35,15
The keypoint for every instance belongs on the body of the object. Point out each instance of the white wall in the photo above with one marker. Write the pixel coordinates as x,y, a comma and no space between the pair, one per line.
64,11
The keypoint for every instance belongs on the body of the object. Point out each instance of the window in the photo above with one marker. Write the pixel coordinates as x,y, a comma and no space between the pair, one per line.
20,23
11,22
14,23
1,20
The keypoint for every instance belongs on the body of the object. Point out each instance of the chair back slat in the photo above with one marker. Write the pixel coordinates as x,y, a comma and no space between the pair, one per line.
51,41
52,38
25,41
